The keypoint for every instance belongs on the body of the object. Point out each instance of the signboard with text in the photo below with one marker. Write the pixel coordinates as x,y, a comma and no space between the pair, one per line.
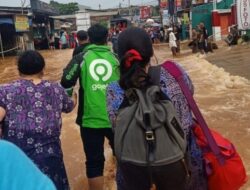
57,24
178,5
145,12
185,18
83,21
21,23
165,18
243,14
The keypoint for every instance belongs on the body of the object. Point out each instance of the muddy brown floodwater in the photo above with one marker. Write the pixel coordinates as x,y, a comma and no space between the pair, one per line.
224,100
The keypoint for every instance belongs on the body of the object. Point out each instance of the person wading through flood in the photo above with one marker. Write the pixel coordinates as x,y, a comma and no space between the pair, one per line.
135,51
95,68
172,42
83,41
31,109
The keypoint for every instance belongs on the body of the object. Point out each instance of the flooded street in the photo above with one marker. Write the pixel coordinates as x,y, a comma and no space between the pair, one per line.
224,100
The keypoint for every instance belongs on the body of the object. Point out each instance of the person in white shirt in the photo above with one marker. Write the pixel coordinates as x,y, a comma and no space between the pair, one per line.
172,41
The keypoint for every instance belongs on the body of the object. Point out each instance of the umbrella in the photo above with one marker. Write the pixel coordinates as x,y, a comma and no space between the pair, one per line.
150,21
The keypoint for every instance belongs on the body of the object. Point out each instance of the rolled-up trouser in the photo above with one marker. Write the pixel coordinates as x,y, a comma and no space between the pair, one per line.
93,144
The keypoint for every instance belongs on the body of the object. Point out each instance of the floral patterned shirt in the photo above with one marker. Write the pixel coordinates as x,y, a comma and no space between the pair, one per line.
33,116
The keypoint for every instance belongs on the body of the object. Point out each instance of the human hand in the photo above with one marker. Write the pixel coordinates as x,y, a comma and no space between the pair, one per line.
74,98
1,131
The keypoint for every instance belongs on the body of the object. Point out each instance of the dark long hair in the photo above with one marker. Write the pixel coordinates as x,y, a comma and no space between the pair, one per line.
134,75
98,34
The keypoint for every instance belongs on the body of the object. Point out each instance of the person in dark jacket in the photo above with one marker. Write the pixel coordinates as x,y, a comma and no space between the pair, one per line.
114,40
204,36
83,41
177,32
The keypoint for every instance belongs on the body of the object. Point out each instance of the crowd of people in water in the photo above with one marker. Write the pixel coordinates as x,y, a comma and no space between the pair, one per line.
31,112
198,37
173,35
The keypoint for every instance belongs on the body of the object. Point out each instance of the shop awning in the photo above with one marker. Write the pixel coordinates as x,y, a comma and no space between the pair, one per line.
6,21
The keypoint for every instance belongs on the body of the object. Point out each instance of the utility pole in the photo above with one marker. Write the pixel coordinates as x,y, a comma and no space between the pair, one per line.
191,20
119,8
129,10
214,5
172,10
160,12
1,45
216,22
23,2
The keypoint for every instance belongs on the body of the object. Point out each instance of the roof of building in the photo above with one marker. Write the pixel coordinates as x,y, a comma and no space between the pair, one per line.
83,7
13,10
62,17
92,14
108,13
221,11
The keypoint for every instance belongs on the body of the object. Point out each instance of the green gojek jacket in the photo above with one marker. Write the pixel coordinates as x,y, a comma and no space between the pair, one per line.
95,68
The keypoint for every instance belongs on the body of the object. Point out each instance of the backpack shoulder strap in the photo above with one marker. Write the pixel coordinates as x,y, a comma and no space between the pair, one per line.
155,74
175,71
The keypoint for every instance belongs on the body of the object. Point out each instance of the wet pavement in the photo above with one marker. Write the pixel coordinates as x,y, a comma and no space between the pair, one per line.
224,100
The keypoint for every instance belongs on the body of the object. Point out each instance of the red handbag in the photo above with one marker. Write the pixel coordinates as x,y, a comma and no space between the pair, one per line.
228,175
224,167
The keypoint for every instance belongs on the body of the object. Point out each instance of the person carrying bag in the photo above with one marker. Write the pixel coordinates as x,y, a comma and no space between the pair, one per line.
224,167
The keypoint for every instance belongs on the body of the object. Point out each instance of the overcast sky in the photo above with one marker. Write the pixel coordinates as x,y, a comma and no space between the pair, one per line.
92,3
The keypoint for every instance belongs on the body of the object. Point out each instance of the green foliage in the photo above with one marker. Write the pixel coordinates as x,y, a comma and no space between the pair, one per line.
65,9
245,38
104,23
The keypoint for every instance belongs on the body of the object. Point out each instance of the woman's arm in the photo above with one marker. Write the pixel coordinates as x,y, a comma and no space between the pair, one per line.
69,102
3,103
74,98
115,96
2,115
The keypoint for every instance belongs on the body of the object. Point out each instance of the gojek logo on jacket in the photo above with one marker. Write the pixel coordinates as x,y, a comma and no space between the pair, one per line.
101,71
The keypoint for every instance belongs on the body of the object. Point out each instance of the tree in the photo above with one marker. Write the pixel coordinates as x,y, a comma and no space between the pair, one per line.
65,9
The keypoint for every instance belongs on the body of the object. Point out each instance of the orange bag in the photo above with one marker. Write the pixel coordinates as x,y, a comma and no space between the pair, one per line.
231,174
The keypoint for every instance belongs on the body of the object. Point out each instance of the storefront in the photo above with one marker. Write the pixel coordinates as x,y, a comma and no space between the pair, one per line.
203,13
14,24
7,34
42,24
24,34
102,17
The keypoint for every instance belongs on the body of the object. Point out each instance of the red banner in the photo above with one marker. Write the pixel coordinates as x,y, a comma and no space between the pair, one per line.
145,12
178,3
163,3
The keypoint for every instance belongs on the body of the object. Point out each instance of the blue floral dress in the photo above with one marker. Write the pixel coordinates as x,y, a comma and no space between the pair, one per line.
115,96
33,122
